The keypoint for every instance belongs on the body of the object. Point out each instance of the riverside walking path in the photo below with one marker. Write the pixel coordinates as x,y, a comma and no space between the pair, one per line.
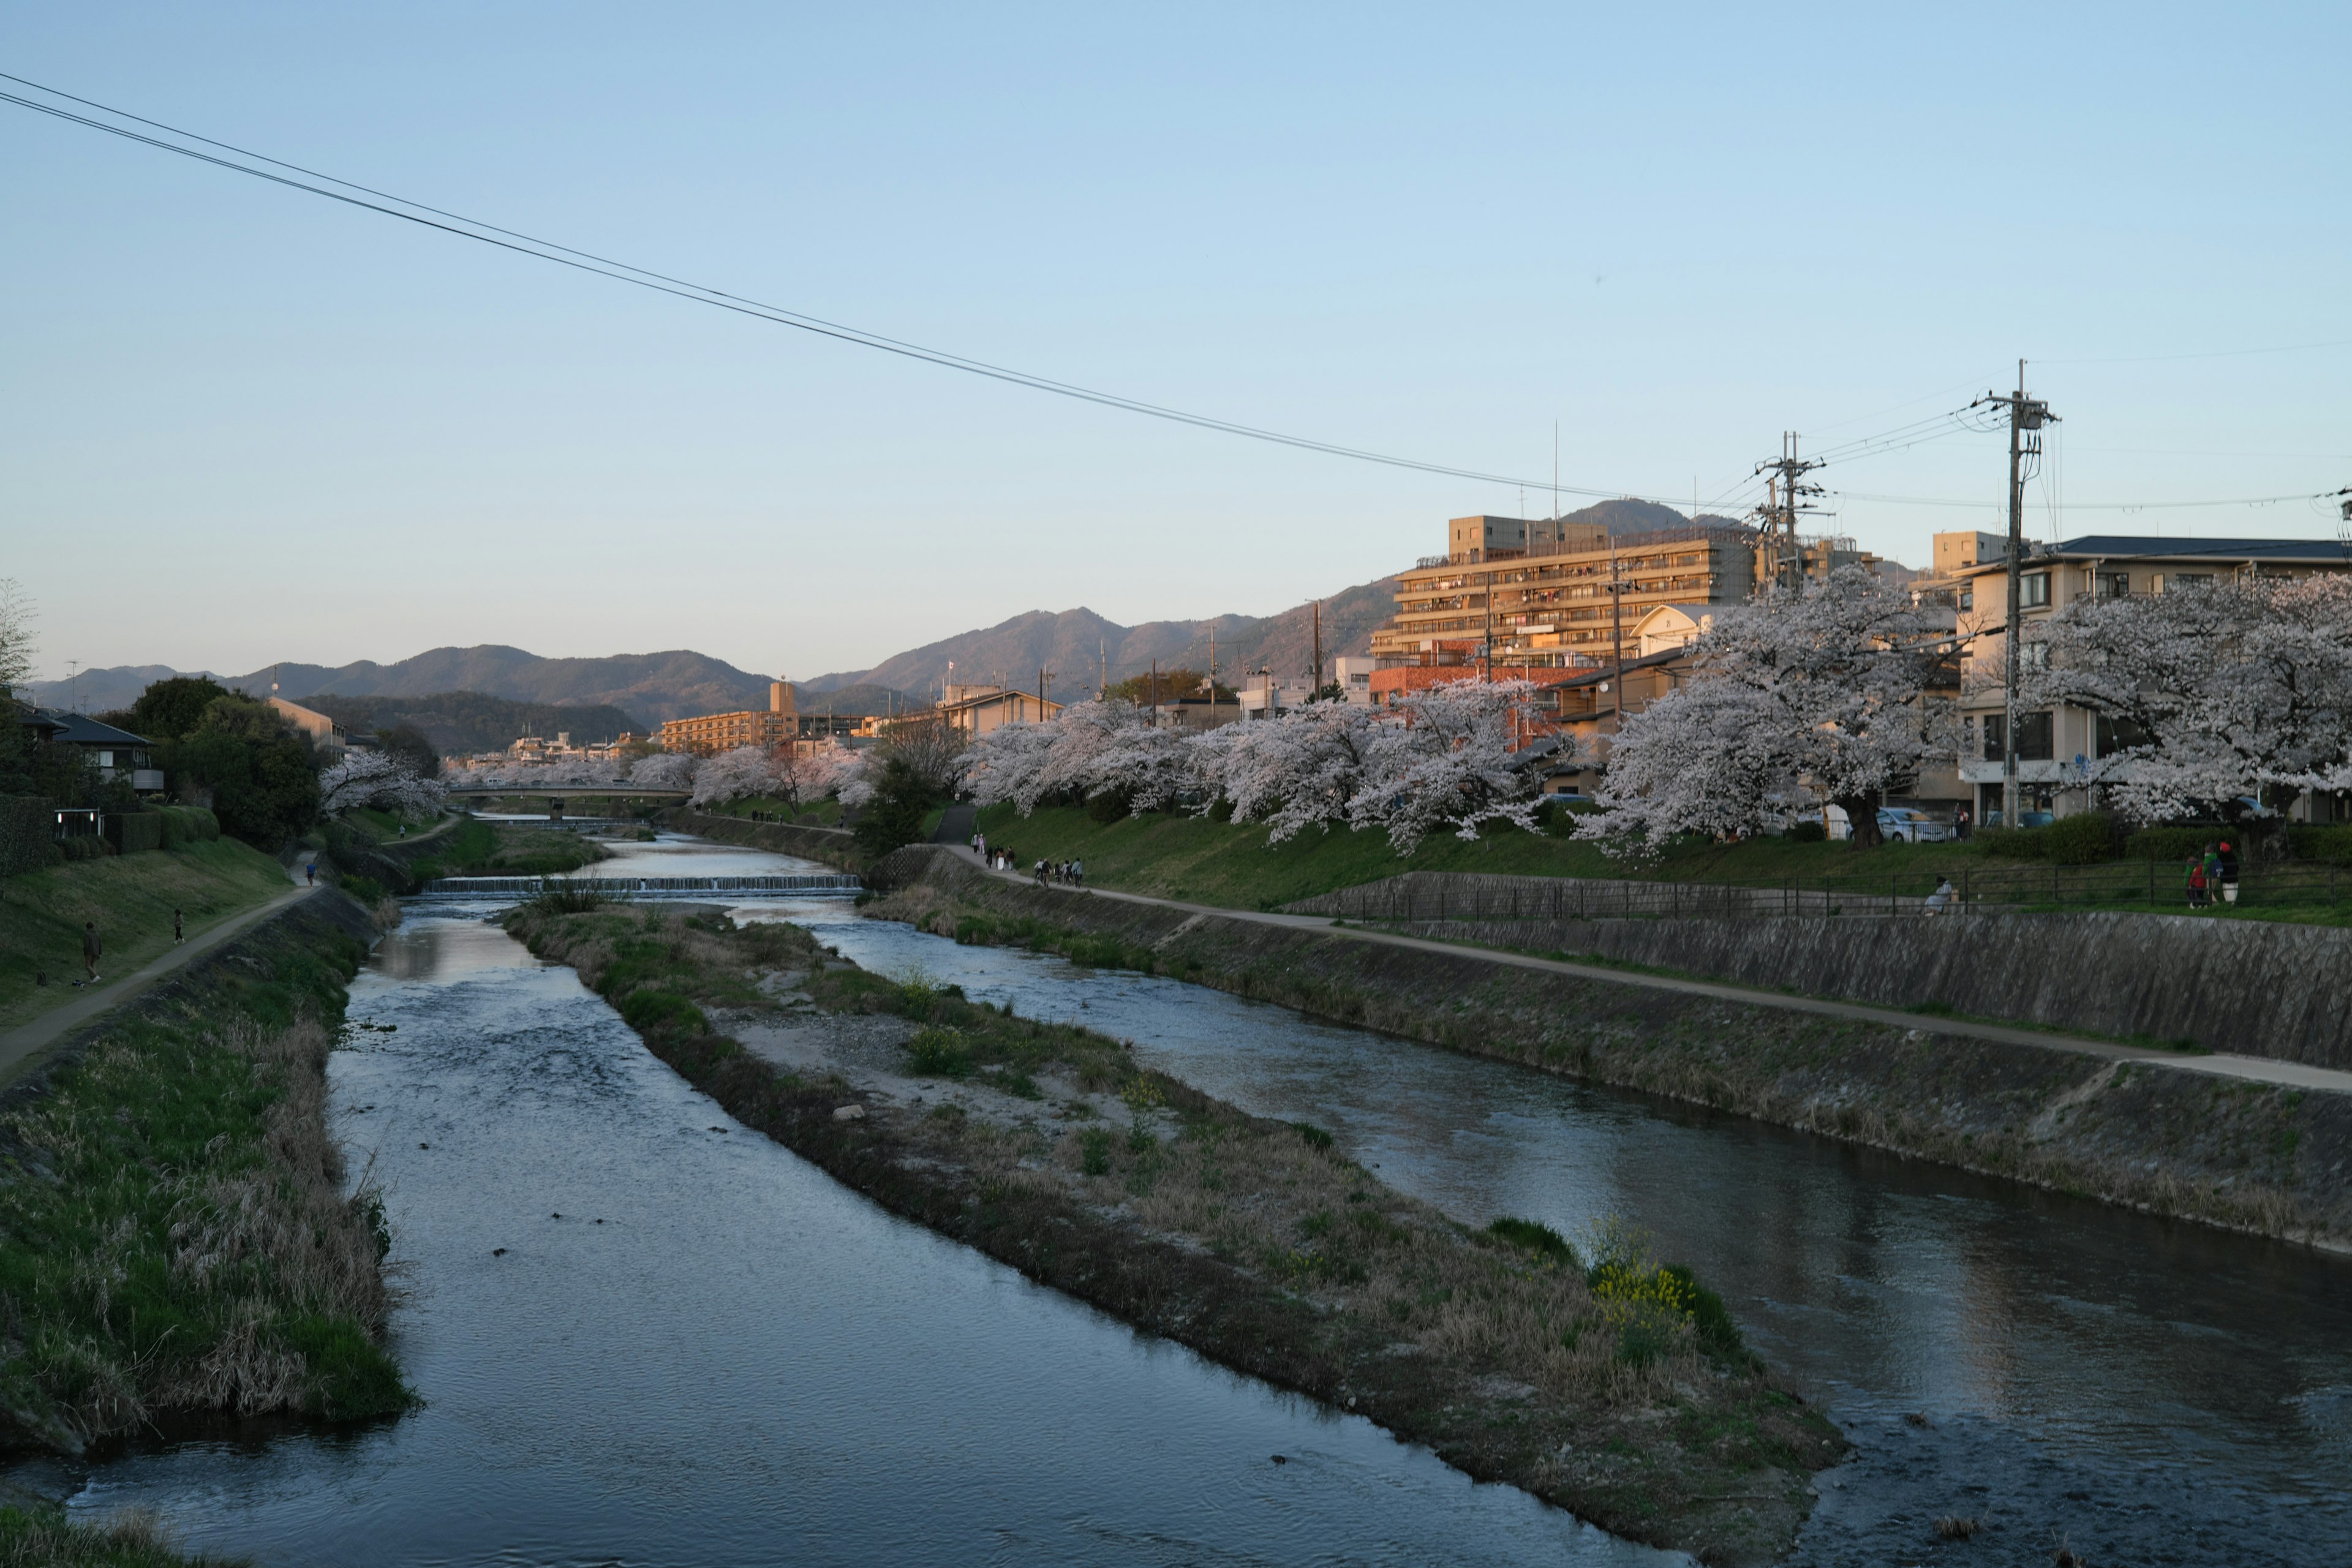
21,1045
2260,1070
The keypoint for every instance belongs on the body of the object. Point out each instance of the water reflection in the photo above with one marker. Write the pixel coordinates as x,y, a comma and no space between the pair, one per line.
645,1335
2060,1335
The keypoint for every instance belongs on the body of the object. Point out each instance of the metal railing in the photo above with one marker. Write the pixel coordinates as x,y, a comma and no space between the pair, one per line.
2156,886
640,886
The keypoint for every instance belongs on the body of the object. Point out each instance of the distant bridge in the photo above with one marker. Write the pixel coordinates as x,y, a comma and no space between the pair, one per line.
566,792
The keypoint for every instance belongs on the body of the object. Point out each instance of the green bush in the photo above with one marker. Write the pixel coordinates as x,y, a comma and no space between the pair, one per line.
2174,843
939,1053
1109,805
90,849
1316,1137
1709,1317
2330,844
1538,1238
650,1011
1807,832
2080,840
366,890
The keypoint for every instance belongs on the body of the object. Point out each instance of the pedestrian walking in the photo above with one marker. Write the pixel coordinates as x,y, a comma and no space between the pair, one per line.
91,949
310,874
179,931
1078,873
1041,870
1960,823
2197,883
2229,859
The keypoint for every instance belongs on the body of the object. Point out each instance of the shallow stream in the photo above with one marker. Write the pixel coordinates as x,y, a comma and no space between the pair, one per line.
2141,1391
645,1335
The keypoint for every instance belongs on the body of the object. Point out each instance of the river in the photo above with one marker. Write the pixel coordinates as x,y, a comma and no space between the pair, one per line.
645,1335
2138,1390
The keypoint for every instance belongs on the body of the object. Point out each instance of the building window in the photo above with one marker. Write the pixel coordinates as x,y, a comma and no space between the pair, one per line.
2179,582
1967,599
2118,735
2033,737
2034,590
2033,656
2112,585
1996,730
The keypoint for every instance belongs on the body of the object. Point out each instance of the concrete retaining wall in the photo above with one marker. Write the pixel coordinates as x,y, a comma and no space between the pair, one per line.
2257,987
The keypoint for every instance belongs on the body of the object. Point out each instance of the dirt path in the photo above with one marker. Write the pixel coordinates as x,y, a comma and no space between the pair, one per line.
2260,1070
20,1047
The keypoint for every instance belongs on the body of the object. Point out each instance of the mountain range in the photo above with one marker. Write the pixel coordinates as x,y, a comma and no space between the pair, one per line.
1075,648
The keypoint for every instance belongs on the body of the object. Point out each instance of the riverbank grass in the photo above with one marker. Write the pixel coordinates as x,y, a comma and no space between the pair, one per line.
130,897
1599,1380
174,1233
480,848
41,1536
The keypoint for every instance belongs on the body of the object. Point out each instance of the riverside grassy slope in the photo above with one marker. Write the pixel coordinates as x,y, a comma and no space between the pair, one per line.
2253,1156
1604,1383
174,1233
130,897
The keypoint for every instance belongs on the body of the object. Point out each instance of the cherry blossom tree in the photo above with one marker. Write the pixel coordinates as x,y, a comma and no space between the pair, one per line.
733,776
1003,765
1443,758
2224,692
664,770
1297,770
385,782
1831,689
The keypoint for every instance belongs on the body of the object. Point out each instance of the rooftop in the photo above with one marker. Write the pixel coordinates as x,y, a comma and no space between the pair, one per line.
2232,551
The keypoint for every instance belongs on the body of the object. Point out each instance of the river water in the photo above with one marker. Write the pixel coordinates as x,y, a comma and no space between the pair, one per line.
645,1335
2139,1391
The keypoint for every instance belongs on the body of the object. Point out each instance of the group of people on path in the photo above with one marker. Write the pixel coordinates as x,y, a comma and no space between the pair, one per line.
2212,871
1070,873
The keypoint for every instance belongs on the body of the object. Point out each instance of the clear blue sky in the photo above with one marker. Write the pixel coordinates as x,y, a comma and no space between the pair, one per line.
243,425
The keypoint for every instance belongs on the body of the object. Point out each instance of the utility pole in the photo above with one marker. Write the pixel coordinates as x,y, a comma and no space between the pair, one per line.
1155,694
1785,498
1617,637
1213,678
2026,417
1044,684
1316,680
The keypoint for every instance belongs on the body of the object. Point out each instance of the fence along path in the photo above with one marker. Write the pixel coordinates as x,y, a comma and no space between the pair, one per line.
1475,896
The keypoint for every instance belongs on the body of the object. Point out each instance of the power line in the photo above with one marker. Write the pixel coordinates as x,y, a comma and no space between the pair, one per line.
702,294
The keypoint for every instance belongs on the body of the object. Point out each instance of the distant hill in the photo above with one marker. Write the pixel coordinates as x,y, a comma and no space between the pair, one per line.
648,687
463,722
1077,645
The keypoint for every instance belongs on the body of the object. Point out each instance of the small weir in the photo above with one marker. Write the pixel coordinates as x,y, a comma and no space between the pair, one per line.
810,883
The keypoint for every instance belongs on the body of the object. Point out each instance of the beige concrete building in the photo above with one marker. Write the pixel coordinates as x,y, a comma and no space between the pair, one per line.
711,734
993,707
2055,745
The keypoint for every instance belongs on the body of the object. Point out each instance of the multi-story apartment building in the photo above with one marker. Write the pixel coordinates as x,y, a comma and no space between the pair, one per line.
709,735
1547,594
2055,745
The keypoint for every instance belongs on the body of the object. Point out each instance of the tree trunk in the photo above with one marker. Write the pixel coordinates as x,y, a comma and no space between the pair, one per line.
1862,818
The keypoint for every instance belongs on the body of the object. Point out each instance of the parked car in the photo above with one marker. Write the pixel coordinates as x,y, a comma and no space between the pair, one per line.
1912,826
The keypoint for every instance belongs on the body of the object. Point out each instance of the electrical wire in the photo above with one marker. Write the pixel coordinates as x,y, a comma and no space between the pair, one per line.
623,272
1900,438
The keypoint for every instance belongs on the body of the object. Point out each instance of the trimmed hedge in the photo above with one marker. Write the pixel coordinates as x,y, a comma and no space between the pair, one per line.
188,824
26,835
135,832
2174,843
2080,840
2328,843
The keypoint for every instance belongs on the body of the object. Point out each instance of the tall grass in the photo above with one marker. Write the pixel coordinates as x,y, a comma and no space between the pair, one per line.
177,1236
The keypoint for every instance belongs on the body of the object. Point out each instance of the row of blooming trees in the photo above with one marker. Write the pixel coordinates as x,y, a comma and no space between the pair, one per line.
2238,688
1440,759
381,780
1818,692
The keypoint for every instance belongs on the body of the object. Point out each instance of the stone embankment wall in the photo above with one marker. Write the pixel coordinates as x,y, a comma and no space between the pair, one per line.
2248,1155
2259,988
831,846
